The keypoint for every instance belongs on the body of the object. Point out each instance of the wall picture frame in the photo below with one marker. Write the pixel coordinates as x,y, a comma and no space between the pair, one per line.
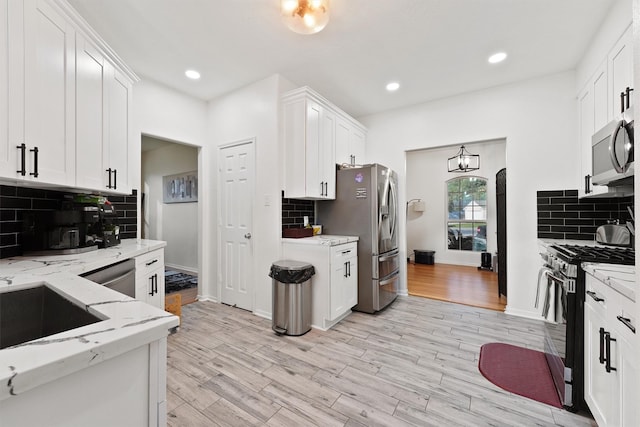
180,188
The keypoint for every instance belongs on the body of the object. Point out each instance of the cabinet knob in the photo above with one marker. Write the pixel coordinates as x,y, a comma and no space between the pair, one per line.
247,236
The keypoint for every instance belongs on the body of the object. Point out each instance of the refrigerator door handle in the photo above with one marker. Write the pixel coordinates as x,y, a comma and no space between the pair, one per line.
392,255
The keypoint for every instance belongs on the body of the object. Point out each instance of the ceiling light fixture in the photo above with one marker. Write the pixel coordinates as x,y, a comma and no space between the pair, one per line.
393,86
305,16
192,74
497,57
463,161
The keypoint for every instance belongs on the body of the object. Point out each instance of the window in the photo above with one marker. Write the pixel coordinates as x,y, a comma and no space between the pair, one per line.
467,214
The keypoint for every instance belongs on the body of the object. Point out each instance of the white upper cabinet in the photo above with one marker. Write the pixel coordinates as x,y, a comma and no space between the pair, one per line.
350,142
56,80
39,144
620,70
316,136
308,131
599,103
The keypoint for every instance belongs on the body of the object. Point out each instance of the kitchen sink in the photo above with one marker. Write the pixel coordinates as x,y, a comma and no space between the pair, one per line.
38,312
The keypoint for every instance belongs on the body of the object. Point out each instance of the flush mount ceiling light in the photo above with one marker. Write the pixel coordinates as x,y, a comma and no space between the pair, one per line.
192,74
497,57
463,161
393,86
305,16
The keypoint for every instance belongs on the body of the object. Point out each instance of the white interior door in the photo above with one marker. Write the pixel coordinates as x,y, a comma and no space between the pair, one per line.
236,219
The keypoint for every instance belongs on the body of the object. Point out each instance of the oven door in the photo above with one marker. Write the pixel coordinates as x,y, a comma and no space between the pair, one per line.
559,334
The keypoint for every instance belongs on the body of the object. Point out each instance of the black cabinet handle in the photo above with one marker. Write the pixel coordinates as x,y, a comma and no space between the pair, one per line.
151,285
595,297
628,90
587,184
346,274
109,172
35,162
151,262
326,189
349,263
115,179
321,188
627,322
607,340
622,102
601,358
23,167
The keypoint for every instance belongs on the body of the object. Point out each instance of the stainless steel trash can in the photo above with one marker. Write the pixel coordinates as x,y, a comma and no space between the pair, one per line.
291,307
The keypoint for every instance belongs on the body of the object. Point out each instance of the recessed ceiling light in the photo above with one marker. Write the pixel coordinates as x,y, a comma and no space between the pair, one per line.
497,57
393,86
192,74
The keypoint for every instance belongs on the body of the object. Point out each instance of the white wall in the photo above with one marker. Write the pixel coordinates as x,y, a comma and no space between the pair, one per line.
175,223
167,114
426,179
252,113
538,120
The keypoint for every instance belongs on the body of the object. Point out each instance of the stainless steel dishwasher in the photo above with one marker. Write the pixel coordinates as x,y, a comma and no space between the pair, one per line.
120,277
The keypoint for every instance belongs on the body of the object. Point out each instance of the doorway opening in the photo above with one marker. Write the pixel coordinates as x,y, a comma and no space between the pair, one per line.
169,210
458,226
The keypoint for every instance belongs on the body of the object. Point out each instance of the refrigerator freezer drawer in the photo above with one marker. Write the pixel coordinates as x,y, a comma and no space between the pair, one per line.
385,264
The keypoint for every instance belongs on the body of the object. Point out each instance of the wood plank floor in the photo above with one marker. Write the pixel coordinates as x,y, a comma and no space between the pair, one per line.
455,283
415,363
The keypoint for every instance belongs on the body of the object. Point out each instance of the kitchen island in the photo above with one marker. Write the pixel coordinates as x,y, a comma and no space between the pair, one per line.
110,372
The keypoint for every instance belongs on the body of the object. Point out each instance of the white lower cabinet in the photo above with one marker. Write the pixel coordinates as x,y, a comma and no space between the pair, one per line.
335,283
611,363
150,278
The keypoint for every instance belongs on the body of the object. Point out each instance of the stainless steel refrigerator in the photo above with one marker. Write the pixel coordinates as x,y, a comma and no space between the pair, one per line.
366,205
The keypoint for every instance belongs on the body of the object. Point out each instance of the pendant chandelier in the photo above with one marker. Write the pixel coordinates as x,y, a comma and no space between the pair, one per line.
463,161
305,16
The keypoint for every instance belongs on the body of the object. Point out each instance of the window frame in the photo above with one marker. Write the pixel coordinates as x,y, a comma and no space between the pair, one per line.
475,223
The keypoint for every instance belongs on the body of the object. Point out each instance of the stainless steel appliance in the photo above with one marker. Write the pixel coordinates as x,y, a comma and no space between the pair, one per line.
366,205
562,280
120,277
613,152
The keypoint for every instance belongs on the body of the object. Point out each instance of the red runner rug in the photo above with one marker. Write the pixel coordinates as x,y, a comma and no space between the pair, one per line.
519,370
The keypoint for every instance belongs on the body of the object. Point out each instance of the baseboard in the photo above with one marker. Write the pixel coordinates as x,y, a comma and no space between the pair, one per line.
181,268
206,298
522,313
263,314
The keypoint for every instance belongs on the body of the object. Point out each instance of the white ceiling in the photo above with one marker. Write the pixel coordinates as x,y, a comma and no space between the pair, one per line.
434,48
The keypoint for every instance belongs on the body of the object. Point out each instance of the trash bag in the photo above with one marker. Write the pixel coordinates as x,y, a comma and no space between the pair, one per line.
287,271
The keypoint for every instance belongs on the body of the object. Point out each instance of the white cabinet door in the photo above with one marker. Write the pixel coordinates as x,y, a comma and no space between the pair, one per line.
313,141
350,143
150,278
598,384
119,131
599,89
327,157
49,115
628,374
91,109
620,71
344,279
337,302
8,164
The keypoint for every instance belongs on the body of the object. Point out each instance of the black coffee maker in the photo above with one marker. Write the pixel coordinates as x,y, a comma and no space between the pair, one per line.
83,223
100,223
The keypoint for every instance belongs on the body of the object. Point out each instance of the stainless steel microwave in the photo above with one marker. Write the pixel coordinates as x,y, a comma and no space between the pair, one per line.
612,152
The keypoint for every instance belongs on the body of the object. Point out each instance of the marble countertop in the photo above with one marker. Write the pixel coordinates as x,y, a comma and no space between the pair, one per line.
621,278
77,263
127,323
323,239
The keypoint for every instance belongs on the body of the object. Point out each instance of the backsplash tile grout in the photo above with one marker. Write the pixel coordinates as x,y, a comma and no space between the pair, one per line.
561,215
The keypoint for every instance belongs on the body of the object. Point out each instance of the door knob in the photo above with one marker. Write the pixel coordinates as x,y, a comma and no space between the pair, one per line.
247,236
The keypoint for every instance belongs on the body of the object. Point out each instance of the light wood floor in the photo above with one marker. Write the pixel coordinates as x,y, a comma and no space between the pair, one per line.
455,283
415,363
